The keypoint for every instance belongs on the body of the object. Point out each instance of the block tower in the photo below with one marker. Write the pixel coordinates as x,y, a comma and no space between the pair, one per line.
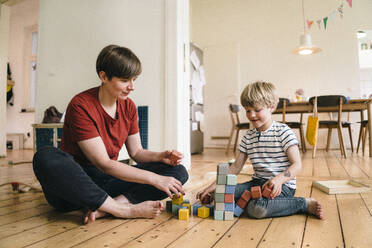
224,193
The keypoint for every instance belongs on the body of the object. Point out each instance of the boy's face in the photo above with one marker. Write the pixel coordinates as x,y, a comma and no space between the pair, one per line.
259,116
119,88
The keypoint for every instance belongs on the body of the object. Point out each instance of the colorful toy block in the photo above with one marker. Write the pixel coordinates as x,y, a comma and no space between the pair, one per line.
246,195
221,179
220,189
229,207
183,214
223,169
203,212
238,211
229,215
219,206
219,197
256,192
168,206
229,198
188,205
177,200
195,208
211,209
175,208
186,201
229,189
218,215
266,192
231,179
175,156
15,186
241,203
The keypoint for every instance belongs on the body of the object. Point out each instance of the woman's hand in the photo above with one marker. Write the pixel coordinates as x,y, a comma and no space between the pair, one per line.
206,195
169,185
275,184
171,157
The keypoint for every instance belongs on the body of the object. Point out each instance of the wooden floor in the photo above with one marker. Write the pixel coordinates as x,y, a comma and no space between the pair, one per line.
26,220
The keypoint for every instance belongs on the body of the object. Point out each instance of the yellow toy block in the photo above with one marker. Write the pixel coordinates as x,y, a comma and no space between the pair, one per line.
188,205
183,214
177,200
203,212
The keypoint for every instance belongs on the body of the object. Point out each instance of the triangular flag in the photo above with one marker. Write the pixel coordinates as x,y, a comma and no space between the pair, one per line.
309,23
325,19
332,15
319,22
340,10
350,3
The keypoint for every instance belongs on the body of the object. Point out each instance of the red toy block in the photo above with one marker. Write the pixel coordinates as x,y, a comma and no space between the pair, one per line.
256,192
266,192
241,203
175,156
229,198
246,195
15,186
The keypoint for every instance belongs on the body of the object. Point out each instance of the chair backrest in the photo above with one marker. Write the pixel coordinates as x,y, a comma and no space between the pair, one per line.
234,110
329,101
282,104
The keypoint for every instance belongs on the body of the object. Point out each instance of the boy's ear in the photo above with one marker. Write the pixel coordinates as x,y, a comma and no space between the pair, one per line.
102,76
273,108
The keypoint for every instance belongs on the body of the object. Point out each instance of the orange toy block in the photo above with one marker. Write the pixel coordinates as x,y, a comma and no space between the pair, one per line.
229,198
256,192
266,192
241,203
246,195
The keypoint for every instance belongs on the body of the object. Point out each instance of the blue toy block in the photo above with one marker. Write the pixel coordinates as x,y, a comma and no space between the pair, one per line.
195,208
211,209
231,179
169,206
229,207
230,189
175,209
218,215
238,211
186,201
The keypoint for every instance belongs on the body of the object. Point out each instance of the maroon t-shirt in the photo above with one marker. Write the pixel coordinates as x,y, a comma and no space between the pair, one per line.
85,119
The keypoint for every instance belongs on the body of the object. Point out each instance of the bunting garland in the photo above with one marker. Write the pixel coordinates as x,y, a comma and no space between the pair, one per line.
339,10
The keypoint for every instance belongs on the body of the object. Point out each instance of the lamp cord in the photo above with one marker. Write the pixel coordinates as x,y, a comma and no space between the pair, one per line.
303,15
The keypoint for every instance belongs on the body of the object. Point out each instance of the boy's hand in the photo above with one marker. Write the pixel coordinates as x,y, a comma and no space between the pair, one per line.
206,195
169,185
171,157
275,184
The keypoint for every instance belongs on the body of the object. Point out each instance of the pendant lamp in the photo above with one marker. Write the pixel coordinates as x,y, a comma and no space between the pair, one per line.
306,47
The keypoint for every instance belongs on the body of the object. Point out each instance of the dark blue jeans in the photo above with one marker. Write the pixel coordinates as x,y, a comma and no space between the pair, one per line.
283,205
68,185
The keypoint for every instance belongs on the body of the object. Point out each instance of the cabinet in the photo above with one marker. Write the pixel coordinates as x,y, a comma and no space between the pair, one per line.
47,134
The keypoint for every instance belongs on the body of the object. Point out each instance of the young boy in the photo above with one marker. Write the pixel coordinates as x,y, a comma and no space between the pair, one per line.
273,150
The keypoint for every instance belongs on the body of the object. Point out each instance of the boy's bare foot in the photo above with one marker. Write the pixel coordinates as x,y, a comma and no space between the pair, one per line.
314,208
147,209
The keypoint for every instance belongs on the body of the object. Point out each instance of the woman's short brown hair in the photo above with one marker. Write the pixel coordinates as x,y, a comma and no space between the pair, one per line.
117,61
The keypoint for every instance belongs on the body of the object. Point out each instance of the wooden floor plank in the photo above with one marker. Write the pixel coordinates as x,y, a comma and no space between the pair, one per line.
352,170
24,214
22,206
320,166
324,233
367,196
21,198
336,169
356,221
307,166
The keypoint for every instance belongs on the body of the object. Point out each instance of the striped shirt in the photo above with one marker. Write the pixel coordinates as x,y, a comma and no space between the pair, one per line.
267,150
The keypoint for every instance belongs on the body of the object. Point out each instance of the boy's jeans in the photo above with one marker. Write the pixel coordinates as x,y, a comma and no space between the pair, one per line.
283,205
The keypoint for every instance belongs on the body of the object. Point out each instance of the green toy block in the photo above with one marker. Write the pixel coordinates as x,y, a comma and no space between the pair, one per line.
231,179
221,179
219,197
218,215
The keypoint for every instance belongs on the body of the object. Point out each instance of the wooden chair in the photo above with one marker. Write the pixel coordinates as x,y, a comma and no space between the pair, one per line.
362,135
236,125
334,100
283,103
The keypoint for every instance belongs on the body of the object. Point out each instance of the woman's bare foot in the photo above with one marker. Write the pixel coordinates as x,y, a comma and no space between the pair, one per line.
314,208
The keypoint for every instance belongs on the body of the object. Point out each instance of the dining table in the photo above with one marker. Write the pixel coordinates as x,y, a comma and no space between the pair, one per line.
352,105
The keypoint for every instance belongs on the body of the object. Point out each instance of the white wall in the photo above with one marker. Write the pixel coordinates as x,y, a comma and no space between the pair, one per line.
4,35
267,32
72,33
22,16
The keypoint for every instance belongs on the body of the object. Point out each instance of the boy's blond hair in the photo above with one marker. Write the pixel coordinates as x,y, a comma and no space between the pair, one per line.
259,94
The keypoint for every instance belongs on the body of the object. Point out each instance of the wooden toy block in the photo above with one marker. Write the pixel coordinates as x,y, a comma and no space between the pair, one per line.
169,206
195,208
218,215
230,189
231,179
223,169
229,207
177,200
186,201
256,192
15,186
211,209
229,215
175,208
220,189
229,198
266,192
241,203
221,179
238,211
246,195
219,206
174,156
188,205
203,212
219,197
183,214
